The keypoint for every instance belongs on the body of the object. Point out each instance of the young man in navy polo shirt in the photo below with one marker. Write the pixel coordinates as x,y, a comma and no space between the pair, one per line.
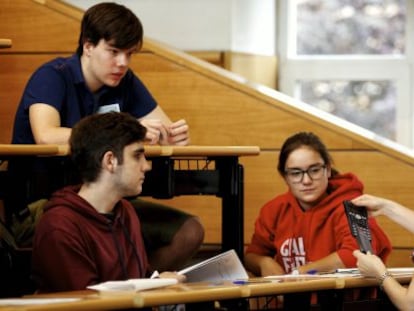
96,80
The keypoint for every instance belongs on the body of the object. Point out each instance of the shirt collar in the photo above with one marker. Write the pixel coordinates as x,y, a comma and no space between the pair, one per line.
76,68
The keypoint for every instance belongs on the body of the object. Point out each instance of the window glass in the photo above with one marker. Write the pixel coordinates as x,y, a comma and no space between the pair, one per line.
370,104
337,27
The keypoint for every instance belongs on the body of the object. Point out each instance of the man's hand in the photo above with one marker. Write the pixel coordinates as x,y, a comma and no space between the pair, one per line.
179,133
157,133
176,133
174,275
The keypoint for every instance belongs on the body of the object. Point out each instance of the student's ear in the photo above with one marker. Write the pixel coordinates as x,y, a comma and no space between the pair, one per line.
328,171
87,48
109,161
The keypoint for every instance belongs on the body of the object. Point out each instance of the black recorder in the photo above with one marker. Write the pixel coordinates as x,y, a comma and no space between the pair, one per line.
358,223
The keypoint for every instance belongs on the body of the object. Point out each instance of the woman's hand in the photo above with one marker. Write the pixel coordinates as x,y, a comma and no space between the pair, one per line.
369,264
172,275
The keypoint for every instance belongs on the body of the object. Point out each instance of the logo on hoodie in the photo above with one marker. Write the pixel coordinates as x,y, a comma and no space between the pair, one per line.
293,253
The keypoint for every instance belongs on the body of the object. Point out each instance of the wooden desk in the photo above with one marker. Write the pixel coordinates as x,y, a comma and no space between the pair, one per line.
190,170
190,293
8,150
5,43
176,294
403,277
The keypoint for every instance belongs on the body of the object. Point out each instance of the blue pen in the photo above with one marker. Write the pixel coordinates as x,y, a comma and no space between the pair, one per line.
312,271
245,282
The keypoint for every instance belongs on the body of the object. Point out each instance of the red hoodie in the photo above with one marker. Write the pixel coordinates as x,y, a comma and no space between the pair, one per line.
295,237
75,246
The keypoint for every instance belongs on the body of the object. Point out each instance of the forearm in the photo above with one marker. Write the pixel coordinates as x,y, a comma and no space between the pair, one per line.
400,214
157,114
58,135
262,265
328,263
393,210
402,297
46,125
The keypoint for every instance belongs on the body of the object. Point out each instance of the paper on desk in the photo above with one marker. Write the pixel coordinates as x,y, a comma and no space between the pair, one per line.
313,276
341,273
299,276
133,285
401,270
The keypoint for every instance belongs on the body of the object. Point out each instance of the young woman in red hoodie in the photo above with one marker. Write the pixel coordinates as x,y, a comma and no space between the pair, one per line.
306,229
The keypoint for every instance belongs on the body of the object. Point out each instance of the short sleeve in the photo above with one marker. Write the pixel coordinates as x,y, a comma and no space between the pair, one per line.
139,101
47,85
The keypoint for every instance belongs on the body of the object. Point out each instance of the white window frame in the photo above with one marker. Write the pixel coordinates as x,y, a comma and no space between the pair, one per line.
399,69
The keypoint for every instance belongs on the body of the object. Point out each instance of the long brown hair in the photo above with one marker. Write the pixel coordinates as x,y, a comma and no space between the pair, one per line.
304,139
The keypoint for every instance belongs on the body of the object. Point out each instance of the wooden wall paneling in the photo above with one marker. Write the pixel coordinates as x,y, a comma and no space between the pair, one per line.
400,257
261,69
34,27
220,113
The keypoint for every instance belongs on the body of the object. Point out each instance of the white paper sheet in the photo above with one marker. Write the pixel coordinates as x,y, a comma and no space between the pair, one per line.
223,267
133,284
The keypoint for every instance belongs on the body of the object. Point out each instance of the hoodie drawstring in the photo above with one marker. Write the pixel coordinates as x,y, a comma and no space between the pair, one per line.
134,248
120,254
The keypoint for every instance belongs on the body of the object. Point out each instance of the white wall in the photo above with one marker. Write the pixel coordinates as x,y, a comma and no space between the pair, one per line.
237,25
254,27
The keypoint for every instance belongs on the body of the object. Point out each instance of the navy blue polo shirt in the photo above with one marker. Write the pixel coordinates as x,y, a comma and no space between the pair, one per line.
60,83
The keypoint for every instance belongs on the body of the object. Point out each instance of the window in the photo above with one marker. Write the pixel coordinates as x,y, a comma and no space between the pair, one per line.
349,58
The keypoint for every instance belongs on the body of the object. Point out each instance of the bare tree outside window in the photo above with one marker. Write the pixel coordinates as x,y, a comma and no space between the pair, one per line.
369,104
345,28
341,27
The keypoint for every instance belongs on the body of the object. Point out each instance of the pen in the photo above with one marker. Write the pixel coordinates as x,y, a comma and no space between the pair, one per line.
314,271
245,282
349,270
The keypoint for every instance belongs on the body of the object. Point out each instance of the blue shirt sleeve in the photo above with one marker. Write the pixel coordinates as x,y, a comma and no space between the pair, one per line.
45,86
138,101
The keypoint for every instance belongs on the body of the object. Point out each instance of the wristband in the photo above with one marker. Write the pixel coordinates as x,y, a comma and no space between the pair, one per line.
382,278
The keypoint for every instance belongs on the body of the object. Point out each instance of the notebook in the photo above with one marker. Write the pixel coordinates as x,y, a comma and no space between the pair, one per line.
223,267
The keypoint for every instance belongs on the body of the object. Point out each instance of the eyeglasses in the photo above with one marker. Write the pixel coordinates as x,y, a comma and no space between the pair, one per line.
314,172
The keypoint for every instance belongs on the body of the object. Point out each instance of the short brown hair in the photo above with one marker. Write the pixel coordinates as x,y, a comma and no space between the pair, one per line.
111,22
